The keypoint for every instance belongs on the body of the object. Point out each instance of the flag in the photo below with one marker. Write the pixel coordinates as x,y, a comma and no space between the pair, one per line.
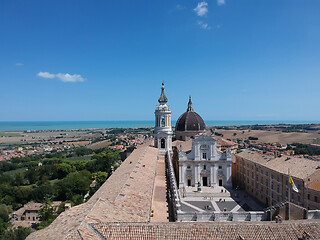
294,187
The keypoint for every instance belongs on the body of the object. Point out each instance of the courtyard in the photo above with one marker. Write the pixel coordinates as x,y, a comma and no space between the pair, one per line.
217,200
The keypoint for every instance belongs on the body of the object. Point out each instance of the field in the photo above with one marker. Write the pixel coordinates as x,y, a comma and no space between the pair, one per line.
270,136
40,136
9,134
102,144
78,143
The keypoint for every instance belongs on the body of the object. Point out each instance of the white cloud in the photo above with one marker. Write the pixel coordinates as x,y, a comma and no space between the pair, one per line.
63,77
179,7
221,2
19,64
201,9
70,78
46,75
204,25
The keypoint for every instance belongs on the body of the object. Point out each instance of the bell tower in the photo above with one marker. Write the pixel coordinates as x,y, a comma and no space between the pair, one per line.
162,129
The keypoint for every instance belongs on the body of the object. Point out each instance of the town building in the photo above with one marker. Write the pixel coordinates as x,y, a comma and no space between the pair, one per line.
266,178
313,193
28,215
224,144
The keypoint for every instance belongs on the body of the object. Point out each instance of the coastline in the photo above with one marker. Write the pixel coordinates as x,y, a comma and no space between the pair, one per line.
11,126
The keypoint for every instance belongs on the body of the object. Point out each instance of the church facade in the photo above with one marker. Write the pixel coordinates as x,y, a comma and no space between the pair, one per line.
204,164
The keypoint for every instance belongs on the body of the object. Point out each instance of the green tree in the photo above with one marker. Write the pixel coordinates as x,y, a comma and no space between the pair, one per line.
19,177
4,218
75,183
64,169
3,226
46,214
4,212
45,190
100,177
8,200
104,160
81,151
22,194
19,233
32,175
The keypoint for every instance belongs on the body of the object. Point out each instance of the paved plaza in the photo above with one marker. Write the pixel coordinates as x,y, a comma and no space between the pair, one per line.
217,199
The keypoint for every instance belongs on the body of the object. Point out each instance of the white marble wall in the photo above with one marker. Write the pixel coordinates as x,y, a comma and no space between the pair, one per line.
214,160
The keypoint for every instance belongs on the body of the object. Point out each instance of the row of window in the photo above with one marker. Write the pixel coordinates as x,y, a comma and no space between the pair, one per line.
204,167
33,218
246,165
261,179
315,198
278,197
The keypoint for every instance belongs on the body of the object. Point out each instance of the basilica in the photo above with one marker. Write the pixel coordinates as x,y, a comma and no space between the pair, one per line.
204,165
142,198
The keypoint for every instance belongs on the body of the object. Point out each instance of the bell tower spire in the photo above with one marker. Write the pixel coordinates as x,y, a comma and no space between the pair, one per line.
162,130
162,99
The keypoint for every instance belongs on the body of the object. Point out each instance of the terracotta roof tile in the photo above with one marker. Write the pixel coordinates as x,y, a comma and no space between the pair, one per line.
214,230
315,185
125,196
299,167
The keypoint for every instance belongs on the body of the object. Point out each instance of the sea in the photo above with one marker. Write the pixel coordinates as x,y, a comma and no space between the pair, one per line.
73,125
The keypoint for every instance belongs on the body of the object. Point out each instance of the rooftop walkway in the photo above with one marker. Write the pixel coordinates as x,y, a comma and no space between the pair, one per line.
159,201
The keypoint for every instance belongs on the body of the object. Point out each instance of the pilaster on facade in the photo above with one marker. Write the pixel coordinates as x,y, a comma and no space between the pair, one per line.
204,164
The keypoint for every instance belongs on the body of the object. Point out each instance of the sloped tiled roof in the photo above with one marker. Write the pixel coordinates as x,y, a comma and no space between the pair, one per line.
28,207
125,196
186,145
299,167
216,230
315,185
224,142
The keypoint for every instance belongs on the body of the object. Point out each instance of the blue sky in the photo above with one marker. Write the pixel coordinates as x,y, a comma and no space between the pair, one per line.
106,59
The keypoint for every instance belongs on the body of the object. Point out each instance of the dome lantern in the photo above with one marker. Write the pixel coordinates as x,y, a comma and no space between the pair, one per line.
190,107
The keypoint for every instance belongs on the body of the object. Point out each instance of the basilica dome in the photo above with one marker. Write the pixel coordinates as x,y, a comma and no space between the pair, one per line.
189,124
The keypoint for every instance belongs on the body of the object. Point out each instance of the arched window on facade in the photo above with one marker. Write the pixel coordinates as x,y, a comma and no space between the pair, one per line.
163,121
163,143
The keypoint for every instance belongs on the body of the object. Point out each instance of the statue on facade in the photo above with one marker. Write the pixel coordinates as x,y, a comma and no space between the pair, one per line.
199,187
